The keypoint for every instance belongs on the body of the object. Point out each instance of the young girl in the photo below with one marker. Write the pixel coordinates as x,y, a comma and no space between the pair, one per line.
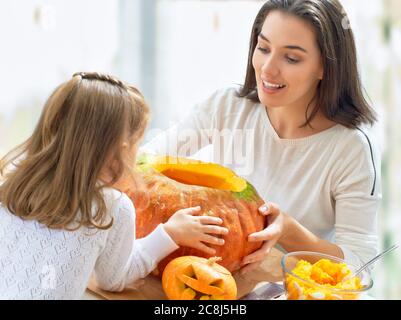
309,155
61,220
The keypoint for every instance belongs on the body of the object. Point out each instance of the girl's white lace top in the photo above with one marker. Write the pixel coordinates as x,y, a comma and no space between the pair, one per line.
41,263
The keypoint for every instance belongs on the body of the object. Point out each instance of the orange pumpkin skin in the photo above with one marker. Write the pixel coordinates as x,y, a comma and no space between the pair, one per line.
195,278
160,197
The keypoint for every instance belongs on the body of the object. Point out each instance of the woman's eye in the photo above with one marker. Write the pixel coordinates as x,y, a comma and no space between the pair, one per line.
292,61
263,50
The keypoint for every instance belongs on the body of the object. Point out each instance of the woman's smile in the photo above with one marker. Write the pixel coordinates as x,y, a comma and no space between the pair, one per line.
270,87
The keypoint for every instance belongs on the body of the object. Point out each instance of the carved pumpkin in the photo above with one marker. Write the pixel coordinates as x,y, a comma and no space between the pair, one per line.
195,278
170,184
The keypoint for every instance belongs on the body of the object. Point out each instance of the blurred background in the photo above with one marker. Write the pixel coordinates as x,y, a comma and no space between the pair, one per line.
177,52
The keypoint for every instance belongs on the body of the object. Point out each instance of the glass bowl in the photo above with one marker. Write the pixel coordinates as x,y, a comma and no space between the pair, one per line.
299,288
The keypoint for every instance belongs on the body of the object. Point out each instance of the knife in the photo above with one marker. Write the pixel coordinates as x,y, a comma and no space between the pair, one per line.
267,291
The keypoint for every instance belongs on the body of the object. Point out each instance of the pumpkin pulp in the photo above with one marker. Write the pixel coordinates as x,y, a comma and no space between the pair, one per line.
194,172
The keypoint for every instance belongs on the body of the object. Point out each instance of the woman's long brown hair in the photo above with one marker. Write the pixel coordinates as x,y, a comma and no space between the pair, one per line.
53,177
339,95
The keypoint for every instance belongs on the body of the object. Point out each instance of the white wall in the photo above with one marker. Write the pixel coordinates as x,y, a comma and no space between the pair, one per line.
201,46
42,44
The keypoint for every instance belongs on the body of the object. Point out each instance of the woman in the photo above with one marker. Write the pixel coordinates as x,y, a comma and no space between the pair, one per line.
308,155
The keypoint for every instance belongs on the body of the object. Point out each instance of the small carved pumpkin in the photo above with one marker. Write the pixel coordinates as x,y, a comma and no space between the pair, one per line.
196,278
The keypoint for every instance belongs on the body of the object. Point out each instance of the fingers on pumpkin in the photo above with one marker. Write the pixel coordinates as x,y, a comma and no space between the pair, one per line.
269,208
214,229
191,211
258,255
266,248
264,209
210,220
260,236
202,247
212,240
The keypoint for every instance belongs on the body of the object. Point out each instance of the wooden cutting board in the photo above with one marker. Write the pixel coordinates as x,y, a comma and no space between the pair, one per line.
150,288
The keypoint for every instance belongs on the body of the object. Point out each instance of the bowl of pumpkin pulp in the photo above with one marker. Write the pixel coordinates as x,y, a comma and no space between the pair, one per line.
316,276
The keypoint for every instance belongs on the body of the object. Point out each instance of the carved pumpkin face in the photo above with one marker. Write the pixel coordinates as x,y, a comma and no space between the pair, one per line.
196,278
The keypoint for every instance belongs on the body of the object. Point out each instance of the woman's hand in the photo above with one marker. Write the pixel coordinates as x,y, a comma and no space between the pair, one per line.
270,235
188,229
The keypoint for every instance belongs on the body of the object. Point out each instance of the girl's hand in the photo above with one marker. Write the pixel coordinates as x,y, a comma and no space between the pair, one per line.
270,235
189,230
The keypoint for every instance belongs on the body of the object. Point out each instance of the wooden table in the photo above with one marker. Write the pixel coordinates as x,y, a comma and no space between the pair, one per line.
151,289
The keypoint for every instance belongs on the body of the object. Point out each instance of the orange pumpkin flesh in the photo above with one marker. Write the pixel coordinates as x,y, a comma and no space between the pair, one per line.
171,184
195,278
198,173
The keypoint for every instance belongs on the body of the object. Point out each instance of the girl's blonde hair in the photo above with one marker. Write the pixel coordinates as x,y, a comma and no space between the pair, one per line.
55,174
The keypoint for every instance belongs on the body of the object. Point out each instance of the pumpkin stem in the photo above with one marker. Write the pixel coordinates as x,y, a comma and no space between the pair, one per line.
212,260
